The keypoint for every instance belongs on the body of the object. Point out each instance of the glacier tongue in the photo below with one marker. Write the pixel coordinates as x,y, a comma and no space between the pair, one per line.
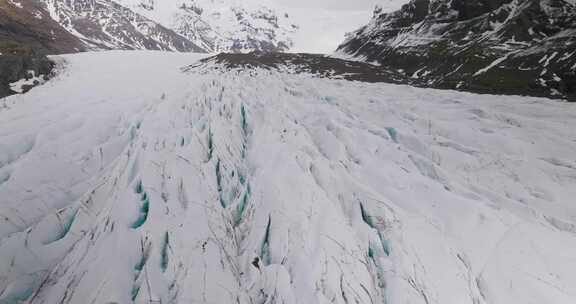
126,180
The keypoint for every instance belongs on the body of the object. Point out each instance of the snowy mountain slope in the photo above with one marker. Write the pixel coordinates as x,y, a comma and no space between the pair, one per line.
211,25
502,46
218,185
104,25
222,25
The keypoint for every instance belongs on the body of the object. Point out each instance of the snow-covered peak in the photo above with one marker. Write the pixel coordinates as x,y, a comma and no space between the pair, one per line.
222,25
105,24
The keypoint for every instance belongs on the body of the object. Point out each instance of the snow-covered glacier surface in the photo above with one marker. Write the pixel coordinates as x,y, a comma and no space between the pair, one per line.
126,180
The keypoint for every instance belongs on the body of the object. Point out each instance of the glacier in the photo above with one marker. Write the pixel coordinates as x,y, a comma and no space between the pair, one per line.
129,178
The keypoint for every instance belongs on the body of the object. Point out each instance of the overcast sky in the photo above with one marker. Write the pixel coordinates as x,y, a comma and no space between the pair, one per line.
324,23
333,4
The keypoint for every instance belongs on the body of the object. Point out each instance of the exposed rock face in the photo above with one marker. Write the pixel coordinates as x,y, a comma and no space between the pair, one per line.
488,46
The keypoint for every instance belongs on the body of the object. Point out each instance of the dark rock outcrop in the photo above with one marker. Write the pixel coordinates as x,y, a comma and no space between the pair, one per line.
16,66
299,63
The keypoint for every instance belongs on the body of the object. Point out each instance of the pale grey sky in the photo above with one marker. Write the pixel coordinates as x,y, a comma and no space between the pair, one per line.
333,4
324,23
356,5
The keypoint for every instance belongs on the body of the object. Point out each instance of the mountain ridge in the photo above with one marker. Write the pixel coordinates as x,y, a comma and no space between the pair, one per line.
222,25
105,24
489,46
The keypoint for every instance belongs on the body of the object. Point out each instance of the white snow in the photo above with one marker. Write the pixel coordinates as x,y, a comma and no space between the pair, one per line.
15,3
219,25
493,64
550,59
33,79
126,180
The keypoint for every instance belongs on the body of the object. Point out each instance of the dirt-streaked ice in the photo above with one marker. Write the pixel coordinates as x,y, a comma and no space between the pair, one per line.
126,180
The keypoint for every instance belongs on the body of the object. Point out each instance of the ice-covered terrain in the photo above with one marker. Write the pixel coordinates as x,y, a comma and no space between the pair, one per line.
142,182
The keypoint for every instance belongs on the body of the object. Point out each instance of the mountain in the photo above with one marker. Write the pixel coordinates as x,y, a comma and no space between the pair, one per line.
30,29
488,46
105,24
151,177
222,25
186,26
